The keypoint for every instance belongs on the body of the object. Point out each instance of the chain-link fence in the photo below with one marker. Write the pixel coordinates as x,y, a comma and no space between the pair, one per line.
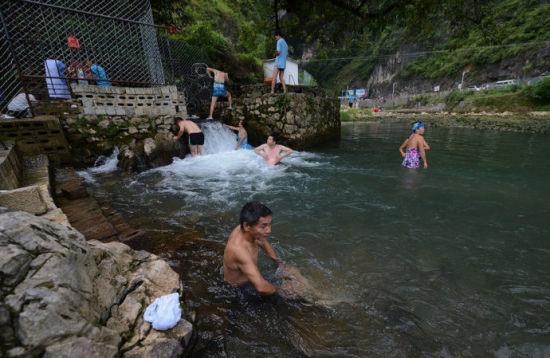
48,44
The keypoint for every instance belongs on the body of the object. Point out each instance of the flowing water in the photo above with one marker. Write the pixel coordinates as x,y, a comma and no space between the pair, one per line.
449,261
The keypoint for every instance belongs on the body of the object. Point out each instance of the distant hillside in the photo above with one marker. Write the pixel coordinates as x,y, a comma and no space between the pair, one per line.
486,50
417,43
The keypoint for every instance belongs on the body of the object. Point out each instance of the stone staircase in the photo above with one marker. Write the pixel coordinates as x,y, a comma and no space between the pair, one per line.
94,220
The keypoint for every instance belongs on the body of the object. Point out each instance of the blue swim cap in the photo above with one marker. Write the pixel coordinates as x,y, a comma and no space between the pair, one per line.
416,126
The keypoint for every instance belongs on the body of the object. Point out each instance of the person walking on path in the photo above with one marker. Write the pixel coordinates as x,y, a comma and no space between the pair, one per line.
416,148
280,62
196,137
219,90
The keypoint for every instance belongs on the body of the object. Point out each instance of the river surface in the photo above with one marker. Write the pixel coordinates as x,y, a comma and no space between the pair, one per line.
449,261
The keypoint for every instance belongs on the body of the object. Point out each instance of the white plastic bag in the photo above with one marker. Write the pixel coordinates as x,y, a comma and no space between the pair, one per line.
164,313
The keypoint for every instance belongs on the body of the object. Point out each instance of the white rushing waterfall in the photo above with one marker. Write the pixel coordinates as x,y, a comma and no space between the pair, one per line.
103,164
217,138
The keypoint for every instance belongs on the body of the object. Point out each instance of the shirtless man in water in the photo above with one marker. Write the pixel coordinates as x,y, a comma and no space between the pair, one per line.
240,258
416,148
272,151
196,138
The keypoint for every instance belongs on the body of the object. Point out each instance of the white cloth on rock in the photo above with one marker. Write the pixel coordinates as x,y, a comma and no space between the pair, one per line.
164,313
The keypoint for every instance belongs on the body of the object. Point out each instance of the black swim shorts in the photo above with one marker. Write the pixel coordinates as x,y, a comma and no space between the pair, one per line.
196,138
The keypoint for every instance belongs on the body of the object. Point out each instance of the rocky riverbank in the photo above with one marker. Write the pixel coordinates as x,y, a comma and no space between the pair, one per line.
531,122
63,296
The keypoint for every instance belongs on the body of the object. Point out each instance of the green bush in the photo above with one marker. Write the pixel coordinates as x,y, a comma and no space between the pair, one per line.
454,98
344,116
540,91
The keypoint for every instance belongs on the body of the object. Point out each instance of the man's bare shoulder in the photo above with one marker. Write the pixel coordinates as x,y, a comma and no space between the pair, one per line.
236,253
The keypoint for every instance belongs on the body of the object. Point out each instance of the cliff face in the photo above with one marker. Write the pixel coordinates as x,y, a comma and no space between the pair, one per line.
385,74
61,296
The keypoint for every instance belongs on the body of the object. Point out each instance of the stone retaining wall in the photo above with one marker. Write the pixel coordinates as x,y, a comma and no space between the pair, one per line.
144,141
127,101
10,168
39,135
302,118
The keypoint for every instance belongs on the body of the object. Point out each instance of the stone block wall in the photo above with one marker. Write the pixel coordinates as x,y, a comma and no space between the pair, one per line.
302,118
39,135
127,101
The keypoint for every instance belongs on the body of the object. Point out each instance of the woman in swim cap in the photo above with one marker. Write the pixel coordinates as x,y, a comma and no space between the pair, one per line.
416,148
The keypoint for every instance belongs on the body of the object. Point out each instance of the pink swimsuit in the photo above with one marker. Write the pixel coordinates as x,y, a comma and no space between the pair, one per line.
412,158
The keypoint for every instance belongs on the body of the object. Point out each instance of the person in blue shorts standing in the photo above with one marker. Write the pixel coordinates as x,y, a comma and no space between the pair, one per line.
280,62
219,88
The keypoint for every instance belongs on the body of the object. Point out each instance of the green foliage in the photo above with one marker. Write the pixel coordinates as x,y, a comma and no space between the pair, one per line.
422,100
281,102
345,117
238,34
540,91
495,26
454,98
201,34
232,33
355,114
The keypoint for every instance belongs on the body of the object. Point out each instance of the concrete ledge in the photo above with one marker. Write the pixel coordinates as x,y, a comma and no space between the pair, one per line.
34,196
126,101
24,199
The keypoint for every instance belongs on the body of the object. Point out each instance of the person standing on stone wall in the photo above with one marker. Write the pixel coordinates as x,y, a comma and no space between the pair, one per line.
280,62
219,90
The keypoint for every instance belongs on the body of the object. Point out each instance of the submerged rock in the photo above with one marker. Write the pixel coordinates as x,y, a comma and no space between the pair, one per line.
62,296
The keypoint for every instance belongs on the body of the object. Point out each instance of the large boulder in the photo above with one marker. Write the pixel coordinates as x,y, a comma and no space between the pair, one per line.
61,296
161,150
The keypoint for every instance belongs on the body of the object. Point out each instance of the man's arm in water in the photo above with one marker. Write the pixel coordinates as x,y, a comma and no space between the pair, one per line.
250,270
258,149
268,249
403,147
286,150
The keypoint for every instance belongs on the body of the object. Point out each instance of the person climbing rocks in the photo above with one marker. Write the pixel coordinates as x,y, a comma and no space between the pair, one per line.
219,90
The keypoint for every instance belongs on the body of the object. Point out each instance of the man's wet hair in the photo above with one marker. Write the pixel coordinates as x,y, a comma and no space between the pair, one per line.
252,212
177,120
274,136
